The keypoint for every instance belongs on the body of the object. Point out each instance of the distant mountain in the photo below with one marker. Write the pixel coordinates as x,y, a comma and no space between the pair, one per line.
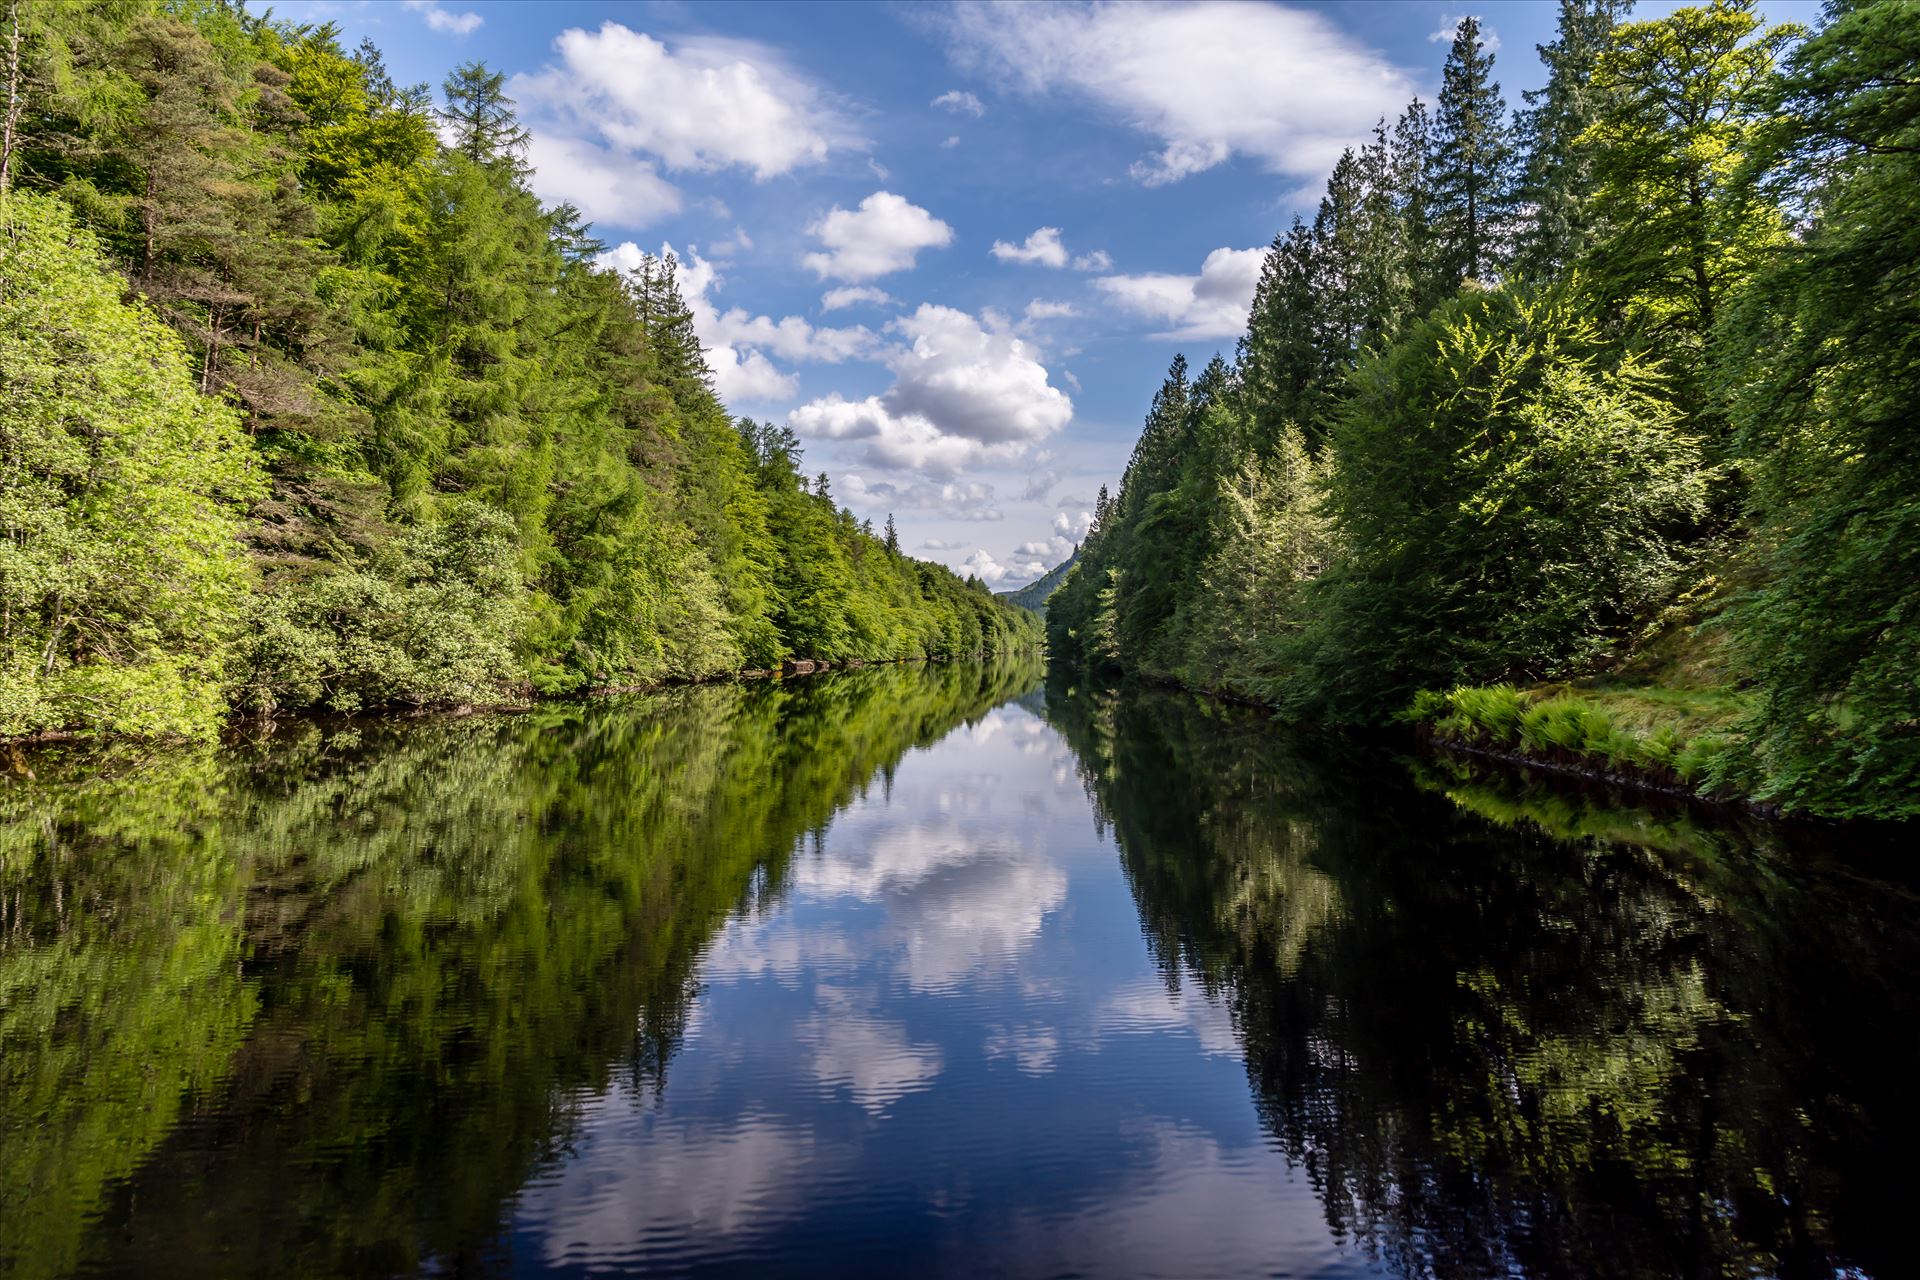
1034,595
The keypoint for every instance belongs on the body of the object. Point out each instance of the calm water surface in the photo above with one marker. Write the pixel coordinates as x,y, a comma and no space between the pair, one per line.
929,972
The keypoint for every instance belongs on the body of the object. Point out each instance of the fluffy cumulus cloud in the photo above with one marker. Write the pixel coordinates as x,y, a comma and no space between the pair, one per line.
853,295
961,103
960,500
605,186
1098,260
964,392
446,21
739,344
1212,304
885,234
981,564
618,104
1042,248
1031,559
1206,81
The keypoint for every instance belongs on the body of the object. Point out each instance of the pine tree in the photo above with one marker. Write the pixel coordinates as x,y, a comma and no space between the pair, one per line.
481,118
1280,356
1428,283
1339,243
1556,183
892,536
1472,163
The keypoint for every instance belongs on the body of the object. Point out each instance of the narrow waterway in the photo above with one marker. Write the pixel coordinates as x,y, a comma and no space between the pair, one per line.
930,971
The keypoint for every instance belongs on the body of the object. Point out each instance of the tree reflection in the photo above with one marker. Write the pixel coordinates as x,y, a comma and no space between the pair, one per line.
1510,1034
320,1003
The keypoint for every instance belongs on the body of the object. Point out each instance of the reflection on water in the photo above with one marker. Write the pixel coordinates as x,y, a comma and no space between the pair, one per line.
924,971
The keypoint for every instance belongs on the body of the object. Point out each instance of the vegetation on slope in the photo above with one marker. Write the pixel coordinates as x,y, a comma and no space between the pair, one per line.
1033,596
1540,410
304,406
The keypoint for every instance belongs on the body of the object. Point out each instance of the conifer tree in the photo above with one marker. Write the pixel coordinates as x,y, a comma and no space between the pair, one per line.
1556,182
1472,161
1280,355
1428,283
481,118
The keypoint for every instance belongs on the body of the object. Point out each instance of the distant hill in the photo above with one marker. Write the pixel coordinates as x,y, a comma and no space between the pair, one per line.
1034,595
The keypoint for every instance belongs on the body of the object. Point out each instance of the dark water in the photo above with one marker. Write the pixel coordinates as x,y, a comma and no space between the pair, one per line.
929,972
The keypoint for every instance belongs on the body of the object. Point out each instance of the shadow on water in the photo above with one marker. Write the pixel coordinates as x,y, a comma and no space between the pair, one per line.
315,1005
1511,1031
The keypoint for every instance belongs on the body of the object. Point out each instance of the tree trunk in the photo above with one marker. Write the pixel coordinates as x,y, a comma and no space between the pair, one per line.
10,126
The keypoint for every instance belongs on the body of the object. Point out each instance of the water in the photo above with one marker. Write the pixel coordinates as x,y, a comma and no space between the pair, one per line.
929,972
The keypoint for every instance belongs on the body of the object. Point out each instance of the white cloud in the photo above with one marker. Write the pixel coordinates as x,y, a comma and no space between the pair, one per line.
733,244
1098,260
606,186
1033,559
853,294
884,235
705,104
960,102
1042,247
1285,86
984,567
972,382
964,392
1450,27
962,500
1048,309
1039,485
952,141
444,21
940,544
618,104
738,344
1212,304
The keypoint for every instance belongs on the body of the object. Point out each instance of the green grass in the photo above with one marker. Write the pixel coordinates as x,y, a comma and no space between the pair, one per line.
1666,734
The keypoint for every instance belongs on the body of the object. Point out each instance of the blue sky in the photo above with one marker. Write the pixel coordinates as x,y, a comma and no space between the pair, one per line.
954,247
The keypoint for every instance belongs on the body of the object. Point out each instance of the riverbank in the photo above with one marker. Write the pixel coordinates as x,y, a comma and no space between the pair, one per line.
14,763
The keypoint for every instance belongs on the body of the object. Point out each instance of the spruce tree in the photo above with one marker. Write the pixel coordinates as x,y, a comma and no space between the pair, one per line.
1412,160
1280,357
1472,163
892,536
1556,182
481,117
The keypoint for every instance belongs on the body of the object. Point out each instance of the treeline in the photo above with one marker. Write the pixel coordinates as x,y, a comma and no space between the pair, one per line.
308,402
1617,390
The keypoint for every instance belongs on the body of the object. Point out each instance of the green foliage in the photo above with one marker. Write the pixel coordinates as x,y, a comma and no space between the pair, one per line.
1601,731
476,463
1471,164
1680,102
1508,498
1823,376
123,586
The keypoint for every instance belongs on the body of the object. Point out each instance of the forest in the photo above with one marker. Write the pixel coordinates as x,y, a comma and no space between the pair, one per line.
306,401
1582,432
